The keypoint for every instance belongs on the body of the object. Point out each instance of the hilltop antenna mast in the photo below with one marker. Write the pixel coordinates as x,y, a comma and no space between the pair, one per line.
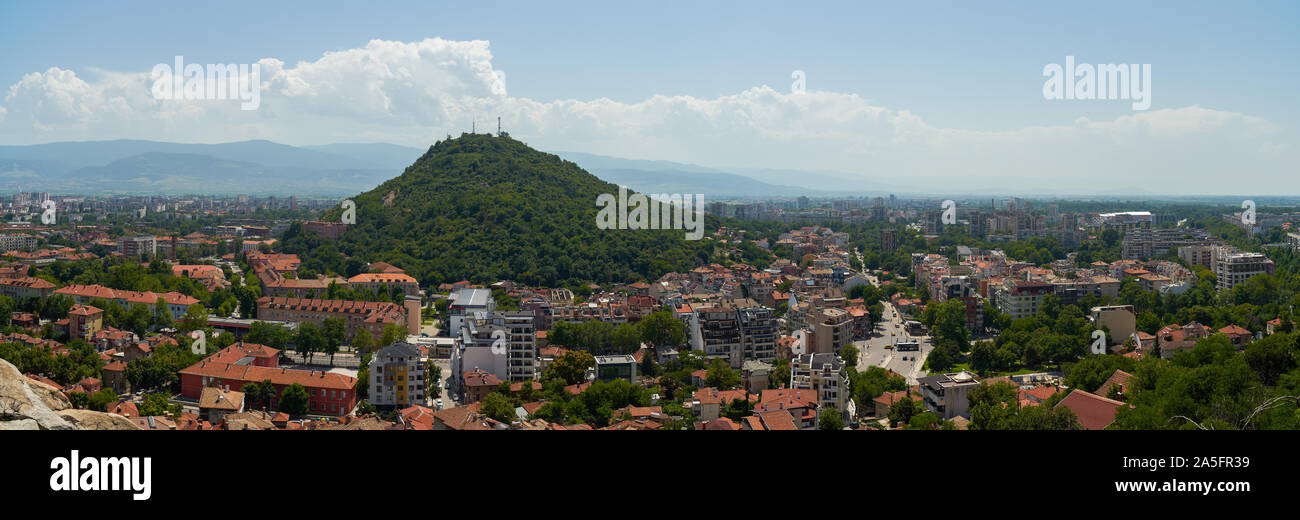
473,122
498,126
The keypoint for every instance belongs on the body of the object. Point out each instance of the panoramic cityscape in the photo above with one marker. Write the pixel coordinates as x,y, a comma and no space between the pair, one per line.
915,221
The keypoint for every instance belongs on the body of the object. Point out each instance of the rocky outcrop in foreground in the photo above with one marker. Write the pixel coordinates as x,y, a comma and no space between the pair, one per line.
32,405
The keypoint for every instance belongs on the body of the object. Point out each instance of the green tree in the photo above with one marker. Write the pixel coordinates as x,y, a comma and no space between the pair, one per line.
335,331
570,367
268,393
309,340
393,333
902,411
100,400
196,318
924,421
252,392
295,400
362,341
662,329
498,407
626,338
157,404
850,355
830,419
720,375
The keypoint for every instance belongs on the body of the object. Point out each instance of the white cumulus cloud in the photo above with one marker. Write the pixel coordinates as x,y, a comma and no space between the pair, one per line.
415,92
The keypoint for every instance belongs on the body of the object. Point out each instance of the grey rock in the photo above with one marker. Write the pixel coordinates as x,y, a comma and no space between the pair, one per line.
92,420
18,401
20,424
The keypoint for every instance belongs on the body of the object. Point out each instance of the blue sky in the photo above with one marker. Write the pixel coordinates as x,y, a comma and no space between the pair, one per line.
973,67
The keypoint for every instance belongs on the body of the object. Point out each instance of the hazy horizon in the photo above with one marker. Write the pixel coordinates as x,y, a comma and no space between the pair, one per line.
881,94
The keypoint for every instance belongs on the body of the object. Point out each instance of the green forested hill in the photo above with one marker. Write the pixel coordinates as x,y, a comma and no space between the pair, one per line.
485,208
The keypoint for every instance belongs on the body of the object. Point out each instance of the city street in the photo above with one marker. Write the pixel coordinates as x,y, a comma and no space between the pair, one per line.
873,351
889,331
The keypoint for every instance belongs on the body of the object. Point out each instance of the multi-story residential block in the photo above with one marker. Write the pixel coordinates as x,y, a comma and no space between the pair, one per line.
947,394
17,241
1143,243
25,287
758,334
521,345
327,230
464,303
1071,292
977,224
232,367
372,316
831,330
966,290
133,247
84,321
609,368
387,281
503,344
1121,320
177,303
716,332
1198,254
1021,299
825,375
541,310
398,376
1234,268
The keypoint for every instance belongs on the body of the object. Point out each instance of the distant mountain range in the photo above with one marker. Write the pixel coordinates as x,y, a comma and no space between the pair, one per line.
252,167
265,167
269,168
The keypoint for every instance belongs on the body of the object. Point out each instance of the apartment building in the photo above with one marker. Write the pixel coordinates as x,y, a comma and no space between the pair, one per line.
177,303
1121,320
398,377
84,321
825,375
503,344
758,334
1144,243
463,304
1071,292
830,329
25,287
1237,267
947,394
888,240
1198,255
372,316
962,288
521,346
326,230
17,241
232,367
541,310
1020,298
609,368
133,247
717,333
385,281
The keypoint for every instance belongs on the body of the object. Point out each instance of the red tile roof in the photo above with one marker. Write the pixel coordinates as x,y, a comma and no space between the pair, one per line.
1094,412
278,376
